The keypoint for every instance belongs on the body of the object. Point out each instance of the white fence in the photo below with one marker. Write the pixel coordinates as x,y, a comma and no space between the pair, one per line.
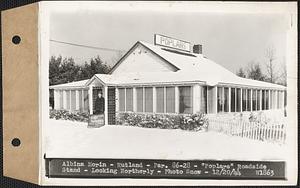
275,132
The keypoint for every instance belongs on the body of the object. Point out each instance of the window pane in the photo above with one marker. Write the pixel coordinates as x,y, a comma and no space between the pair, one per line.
80,100
232,100
73,100
139,99
160,100
248,99
226,99
122,99
129,99
61,98
211,101
258,99
254,100
263,103
185,99
149,99
203,103
244,99
220,99
170,99
285,99
267,99
86,100
280,94
238,100
68,100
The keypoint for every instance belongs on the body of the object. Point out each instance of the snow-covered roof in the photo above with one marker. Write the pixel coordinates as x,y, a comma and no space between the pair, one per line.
191,68
77,84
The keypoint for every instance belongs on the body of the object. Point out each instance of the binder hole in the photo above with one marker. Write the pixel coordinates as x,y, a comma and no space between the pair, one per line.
16,142
16,39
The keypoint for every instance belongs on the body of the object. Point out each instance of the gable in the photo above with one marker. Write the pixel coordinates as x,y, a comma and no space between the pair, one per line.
141,59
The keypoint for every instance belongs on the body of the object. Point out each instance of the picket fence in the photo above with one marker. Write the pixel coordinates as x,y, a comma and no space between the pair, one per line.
257,131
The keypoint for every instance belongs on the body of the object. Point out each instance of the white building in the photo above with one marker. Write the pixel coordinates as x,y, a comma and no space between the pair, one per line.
168,78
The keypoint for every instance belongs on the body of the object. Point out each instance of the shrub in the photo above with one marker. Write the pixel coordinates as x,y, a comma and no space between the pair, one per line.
66,115
190,122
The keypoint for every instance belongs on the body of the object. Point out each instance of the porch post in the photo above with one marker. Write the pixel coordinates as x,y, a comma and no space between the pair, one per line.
176,99
91,99
77,99
154,99
106,105
134,99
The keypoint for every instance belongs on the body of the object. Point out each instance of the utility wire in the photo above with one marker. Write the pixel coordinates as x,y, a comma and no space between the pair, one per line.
86,46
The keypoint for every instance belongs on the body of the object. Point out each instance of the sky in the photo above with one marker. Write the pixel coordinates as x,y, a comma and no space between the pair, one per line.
230,39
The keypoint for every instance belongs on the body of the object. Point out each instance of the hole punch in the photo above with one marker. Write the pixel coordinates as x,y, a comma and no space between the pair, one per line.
16,142
16,39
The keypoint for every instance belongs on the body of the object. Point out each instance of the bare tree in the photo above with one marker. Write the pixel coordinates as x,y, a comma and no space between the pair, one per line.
283,74
241,73
271,68
254,71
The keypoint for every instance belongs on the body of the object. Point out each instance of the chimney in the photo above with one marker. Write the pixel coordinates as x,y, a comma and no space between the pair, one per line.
197,49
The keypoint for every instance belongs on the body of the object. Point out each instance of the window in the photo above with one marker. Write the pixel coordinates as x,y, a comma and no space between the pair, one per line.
220,99
170,99
238,100
280,97
68,100
285,99
185,99
122,99
226,99
267,100
211,102
258,99
248,99
61,98
203,103
233,108
263,97
244,99
73,100
160,100
86,100
271,99
80,100
139,99
148,99
129,99
254,101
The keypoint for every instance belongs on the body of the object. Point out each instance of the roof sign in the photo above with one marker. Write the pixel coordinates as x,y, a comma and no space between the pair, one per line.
172,43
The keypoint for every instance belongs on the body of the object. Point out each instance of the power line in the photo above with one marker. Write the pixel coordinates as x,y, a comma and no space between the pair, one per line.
86,46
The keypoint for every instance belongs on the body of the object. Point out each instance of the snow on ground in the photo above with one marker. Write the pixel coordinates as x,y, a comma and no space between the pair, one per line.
67,139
